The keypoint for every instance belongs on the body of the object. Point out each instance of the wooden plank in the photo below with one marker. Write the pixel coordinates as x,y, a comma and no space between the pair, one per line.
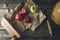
9,28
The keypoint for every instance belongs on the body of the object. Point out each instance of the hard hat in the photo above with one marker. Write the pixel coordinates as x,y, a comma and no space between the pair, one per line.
56,13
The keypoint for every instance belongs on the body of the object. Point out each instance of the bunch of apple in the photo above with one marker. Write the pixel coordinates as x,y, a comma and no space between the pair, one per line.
22,12
33,9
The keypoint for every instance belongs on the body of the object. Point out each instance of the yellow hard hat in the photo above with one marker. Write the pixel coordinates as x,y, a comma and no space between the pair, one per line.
56,13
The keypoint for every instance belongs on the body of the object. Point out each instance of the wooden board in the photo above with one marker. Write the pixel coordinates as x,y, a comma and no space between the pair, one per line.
9,28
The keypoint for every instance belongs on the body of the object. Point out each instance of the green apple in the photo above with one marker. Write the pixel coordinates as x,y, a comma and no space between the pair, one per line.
33,9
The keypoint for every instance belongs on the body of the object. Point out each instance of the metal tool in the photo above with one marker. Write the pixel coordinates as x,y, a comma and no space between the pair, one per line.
49,28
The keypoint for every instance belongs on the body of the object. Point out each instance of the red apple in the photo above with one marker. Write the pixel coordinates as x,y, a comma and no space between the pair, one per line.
23,10
26,19
17,16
